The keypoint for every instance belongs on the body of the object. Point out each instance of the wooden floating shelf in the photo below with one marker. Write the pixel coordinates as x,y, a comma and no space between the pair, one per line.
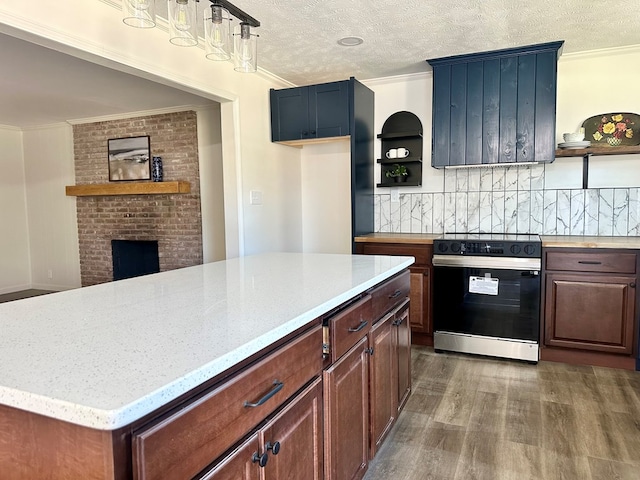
587,153
596,151
128,188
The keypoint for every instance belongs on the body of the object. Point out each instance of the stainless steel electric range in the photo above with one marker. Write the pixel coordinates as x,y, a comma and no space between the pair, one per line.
487,294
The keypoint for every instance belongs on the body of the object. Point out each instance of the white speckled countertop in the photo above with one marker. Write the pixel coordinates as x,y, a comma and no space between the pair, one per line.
105,356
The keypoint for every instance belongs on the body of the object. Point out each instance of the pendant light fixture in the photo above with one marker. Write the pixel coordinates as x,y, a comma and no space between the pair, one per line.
139,13
183,23
217,33
245,45
219,43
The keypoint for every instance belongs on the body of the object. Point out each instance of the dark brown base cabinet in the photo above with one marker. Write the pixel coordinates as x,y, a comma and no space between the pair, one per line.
421,282
292,440
590,307
316,415
365,388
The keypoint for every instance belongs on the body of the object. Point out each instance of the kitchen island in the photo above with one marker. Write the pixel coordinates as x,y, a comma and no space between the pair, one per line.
84,368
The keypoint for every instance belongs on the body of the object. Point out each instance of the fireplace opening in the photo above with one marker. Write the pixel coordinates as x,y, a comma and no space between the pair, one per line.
133,258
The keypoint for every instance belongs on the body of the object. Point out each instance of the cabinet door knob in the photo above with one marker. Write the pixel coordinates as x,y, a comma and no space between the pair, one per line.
260,459
313,132
274,447
632,284
369,351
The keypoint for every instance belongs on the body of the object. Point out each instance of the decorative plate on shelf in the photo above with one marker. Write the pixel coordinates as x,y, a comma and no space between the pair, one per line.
613,129
584,144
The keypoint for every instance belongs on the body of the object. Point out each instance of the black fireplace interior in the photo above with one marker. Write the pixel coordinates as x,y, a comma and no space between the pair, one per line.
133,258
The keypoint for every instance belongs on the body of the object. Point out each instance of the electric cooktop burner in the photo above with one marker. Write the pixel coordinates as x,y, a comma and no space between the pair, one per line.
489,244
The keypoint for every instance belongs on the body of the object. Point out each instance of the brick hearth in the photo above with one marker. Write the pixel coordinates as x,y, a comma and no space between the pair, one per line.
173,220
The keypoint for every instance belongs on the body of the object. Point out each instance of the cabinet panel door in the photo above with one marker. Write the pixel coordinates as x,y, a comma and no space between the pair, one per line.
545,123
421,300
590,312
239,465
442,115
403,348
508,108
458,127
289,114
525,130
382,380
474,124
298,431
346,410
491,111
329,110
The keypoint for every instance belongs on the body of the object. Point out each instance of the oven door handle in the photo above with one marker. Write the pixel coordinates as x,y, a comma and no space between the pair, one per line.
499,263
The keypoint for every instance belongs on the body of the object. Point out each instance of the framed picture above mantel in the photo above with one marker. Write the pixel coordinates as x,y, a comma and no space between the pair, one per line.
129,158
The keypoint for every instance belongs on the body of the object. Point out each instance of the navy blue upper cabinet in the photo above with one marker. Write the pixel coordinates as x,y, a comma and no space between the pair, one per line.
495,107
314,111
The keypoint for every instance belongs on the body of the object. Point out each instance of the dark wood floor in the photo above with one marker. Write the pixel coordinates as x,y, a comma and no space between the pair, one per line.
8,297
477,418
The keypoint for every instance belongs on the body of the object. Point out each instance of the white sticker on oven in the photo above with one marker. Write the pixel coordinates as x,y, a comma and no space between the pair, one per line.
483,285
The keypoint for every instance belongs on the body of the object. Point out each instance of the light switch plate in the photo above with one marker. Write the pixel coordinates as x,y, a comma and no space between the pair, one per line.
395,194
255,197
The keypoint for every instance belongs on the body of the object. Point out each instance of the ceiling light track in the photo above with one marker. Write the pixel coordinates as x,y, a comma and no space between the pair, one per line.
219,45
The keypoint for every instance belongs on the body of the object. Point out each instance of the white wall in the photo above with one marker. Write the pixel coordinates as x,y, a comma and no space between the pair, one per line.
14,239
326,198
589,83
211,175
52,220
258,164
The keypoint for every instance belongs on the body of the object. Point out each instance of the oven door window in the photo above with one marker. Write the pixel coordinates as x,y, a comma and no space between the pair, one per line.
487,302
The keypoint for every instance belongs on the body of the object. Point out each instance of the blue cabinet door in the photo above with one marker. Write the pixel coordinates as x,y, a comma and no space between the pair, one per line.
289,114
329,110
315,111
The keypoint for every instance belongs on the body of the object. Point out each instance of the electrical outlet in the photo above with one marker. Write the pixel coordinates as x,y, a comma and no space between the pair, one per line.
50,274
395,194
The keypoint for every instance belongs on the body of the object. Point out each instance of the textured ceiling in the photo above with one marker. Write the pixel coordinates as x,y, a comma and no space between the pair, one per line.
298,42
298,38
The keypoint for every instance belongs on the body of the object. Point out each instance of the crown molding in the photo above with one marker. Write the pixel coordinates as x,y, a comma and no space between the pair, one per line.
602,52
409,77
45,126
141,113
10,127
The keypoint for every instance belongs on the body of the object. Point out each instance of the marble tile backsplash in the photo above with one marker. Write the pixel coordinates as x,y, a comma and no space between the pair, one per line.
510,200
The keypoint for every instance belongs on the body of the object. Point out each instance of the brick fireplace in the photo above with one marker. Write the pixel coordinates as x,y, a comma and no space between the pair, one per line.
173,220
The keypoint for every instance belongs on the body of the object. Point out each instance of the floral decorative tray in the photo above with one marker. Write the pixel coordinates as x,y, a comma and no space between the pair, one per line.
613,129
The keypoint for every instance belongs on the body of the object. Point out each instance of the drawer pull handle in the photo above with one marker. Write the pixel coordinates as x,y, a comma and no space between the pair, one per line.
260,459
398,321
589,262
274,447
363,324
396,294
277,386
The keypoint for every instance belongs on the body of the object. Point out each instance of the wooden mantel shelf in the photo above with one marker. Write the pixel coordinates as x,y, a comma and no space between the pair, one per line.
128,188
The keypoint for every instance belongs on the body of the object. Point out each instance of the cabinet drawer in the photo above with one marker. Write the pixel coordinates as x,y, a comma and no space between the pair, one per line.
349,326
186,442
422,253
592,262
390,294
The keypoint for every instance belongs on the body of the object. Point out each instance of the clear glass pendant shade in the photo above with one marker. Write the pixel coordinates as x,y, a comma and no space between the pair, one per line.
183,23
217,28
245,45
139,13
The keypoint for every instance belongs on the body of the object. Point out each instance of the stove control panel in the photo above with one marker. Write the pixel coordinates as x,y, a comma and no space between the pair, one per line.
488,248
